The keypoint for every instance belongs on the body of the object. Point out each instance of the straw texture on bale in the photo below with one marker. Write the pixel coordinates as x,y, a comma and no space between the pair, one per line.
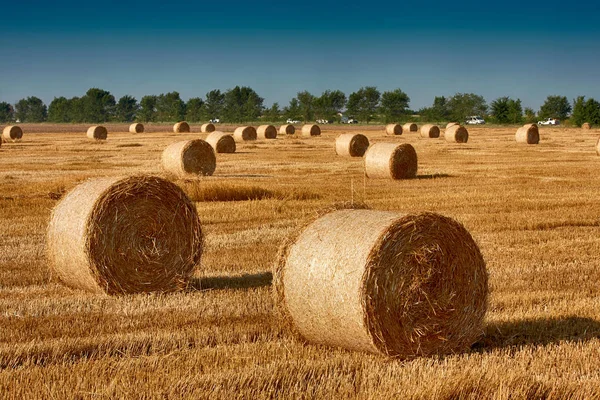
287,129
125,235
449,124
586,125
207,128
311,130
430,131
12,132
97,132
391,160
244,133
399,285
410,127
136,128
393,129
189,158
598,147
181,127
528,133
221,142
351,144
457,134
266,132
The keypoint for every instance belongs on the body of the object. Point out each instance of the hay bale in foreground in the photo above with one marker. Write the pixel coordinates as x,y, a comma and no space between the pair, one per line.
399,285
449,124
97,132
181,127
12,132
207,128
586,125
221,142
266,132
136,128
125,235
456,134
351,144
528,133
410,127
287,129
430,131
393,129
189,158
391,160
244,133
311,130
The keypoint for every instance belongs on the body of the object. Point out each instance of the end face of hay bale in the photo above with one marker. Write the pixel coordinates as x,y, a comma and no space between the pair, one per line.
266,132
207,128
287,129
97,132
12,132
393,129
131,235
221,142
528,134
181,127
586,125
136,128
311,130
456,134
391,161
245,133
430,131
408,286
190,158
351,144
410,127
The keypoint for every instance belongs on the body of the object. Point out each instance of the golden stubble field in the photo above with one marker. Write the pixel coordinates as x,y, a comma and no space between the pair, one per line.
534,211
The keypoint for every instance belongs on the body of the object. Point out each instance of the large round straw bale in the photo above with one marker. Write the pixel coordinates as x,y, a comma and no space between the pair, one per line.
410,127
266,132
287,129
12,132
528,133
181,127
97,132
125,235
391,160
189,158
456,133
221,142
586,125
244,133
207,128
393,129
136,128
351,144
430,131
400,285
449,124
311,130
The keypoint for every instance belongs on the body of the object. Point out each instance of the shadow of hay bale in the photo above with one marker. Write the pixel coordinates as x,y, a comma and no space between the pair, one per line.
246,281
433,176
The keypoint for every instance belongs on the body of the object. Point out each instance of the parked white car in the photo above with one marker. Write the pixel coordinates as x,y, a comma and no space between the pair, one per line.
292,121
474,120
549,121
215,121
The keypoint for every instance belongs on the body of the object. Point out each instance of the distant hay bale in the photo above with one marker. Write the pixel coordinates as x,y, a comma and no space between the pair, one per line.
410,127
430,131
245,133
351,144
207,128
287,129
97,132
393,129
398,285
12,132
311,130
189,158
457,134
586,125
266,132
125,235
528,133
221,142
391,160
181,127
449,124
136,128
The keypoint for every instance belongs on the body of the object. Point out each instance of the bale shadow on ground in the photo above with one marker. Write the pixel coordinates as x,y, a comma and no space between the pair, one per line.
433,176
246,281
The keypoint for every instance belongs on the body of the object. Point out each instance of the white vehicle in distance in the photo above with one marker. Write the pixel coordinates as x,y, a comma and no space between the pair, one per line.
474,120
292,121
215,121
549,121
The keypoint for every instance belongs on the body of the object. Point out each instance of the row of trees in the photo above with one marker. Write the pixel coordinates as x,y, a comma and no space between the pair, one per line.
242,104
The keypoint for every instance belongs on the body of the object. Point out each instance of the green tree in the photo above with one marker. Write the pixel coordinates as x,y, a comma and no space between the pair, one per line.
194,109
462,105
170,107
394,105
438,111
126,109
306,104
213,105
592,112
147,112
31,109
98,105
530,116
500,110
329,104
273,114
293,110
515,111
578,117
76,110
242,104
6,112
364,103
555,107
58,110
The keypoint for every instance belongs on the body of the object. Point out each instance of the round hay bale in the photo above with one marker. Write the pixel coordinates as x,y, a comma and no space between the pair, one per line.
393,129
244,133
12,132
221,142
399,285
125,235
391,160
430,131
457,134
189,158
287,129
266,132
586,125
528,133
181,127
136,128
449,124
410,127
97,132
351,144
311,130
207,128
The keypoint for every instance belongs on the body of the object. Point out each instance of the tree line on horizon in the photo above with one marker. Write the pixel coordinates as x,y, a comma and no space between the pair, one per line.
243,104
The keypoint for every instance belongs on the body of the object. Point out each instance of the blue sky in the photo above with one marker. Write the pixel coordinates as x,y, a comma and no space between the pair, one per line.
522,49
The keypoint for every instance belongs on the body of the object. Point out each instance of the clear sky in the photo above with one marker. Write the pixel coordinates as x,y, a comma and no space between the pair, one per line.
522,49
